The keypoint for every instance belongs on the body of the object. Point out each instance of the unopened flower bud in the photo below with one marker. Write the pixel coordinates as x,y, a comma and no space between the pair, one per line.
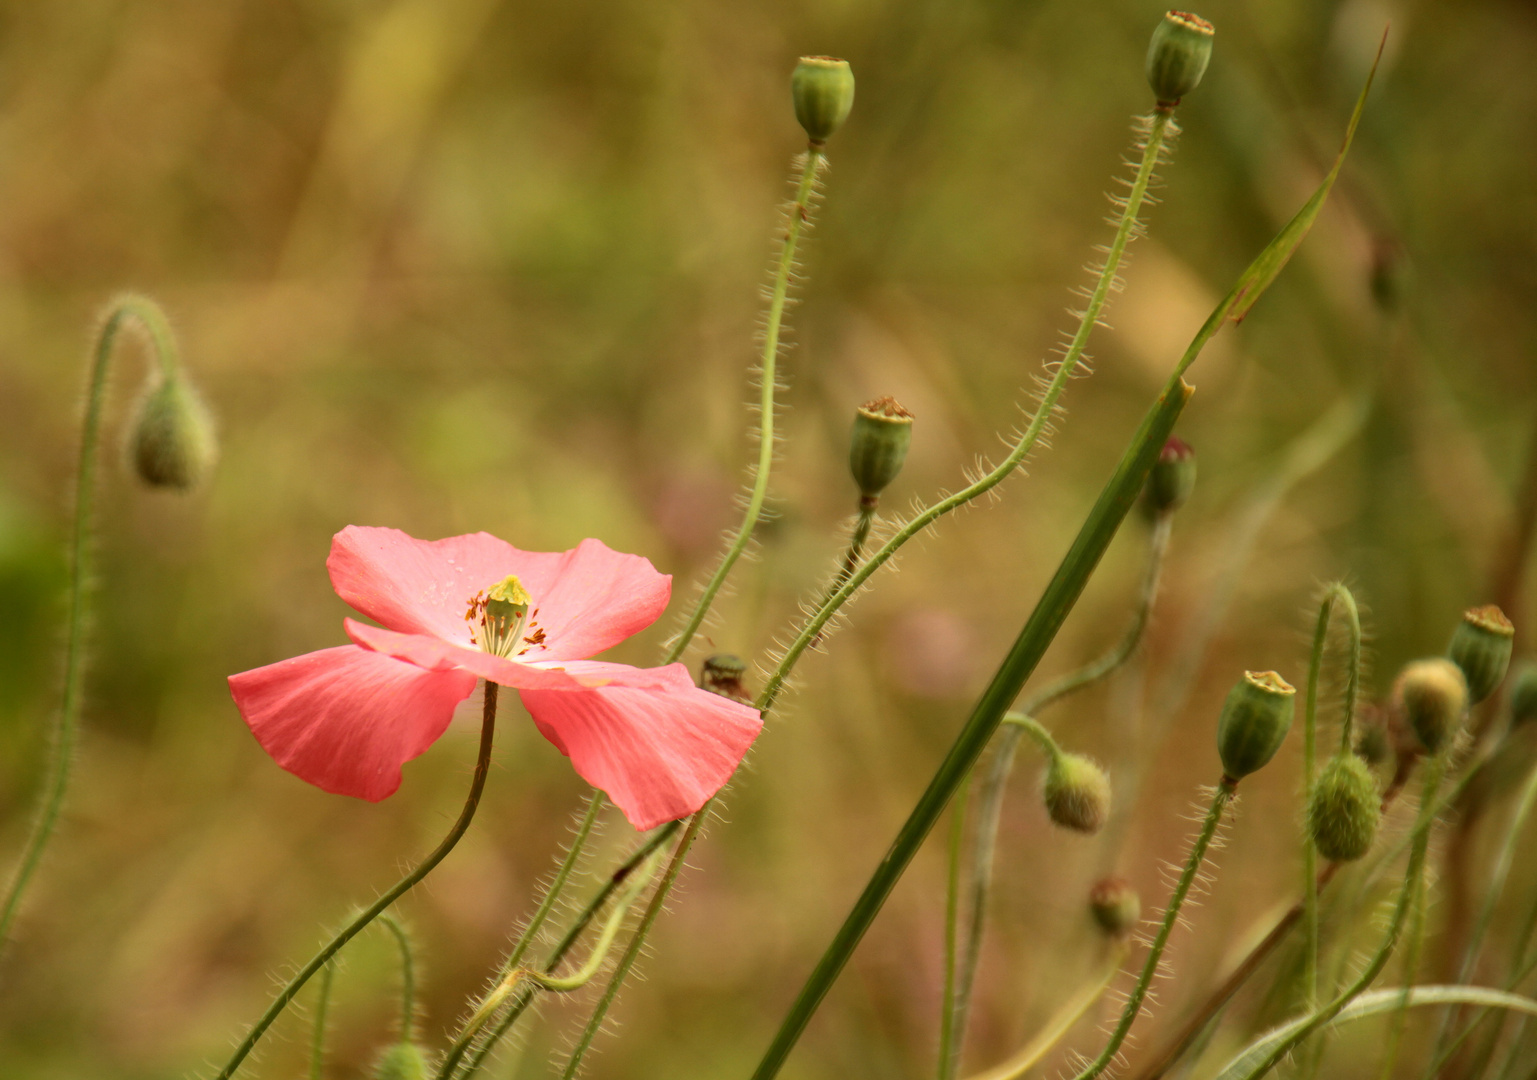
1481,647
1177,56
1255,719
1523,693
1373,744
1077,793
403,1061
1172,478
1345,810
172,443
722,674
878,447
823,91
1433,695
1115,905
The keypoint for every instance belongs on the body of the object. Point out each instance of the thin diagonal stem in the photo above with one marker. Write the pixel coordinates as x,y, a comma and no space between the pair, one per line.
949,1043
395,892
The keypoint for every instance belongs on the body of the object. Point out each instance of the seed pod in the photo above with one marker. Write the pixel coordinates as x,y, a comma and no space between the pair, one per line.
403,1061
1346,809
1178,54
1481,647
1432,695
1523,693
1255,719
878,445
823,91
1077,793
722,674
1115,905
171,443
1172,478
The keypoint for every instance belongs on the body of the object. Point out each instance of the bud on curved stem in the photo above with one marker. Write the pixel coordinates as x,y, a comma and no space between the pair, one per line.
1345,809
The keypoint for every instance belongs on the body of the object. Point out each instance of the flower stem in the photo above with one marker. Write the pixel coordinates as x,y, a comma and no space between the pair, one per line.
800,215
1220,798
407,975
1411,971
318,1036
395,892
949,1038
66,722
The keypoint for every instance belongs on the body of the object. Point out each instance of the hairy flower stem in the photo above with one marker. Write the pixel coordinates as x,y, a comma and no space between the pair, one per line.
318,1033
395,892
147,314
1133,1008
1126,227
407,975
800,215
990,795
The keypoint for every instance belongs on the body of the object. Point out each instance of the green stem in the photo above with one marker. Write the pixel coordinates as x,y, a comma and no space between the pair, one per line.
407,975
318,1036
800,214
1133,1008
1411,972
949,1043
395,892
1125,229
66,722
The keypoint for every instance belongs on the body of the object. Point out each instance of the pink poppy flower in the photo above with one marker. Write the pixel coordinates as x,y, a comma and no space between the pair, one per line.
346,719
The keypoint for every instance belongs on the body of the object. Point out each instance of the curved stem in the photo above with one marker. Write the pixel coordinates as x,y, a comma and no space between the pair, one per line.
1219,801
800,214
407,975
318,1036
395,892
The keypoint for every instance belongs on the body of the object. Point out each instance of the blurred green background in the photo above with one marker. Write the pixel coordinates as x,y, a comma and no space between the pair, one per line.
451,265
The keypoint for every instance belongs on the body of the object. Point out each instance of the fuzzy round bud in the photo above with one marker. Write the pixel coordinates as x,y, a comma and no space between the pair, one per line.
1178,54
1481,647
1432,695
403,1061
1077,793
1346,809
1172,478
1255,719
1373,744
171,443
878,446
1115,905
823,91
1523,693
722,674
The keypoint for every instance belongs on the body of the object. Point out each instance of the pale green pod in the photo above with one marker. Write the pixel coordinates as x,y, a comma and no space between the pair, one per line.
1178,54
1172,478
403,1061
1077,793
1433,695
1255,719
171,443
883,430
1481,646
1346,809
1115,905
722,674
822,88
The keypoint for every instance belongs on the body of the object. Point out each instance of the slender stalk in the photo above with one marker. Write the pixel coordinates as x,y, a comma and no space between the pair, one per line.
407,975
800,214
1411,972
1220,798
147,314
949,1044
318,1035
395,892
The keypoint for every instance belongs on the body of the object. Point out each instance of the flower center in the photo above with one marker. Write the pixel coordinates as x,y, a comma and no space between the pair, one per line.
497,617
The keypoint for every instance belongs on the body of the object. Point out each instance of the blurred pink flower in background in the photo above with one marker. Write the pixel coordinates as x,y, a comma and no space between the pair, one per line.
346,719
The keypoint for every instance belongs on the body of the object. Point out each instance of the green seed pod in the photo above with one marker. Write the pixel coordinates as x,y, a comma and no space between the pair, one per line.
1481,647
1177,56
1115,905
823,91
1172,479
403,1061
878,447
1523,693
171,443
1255,719
722,674
1346,809
1077,793
1432,695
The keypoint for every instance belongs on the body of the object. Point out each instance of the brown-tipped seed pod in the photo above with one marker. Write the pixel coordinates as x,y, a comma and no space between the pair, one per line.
1255,719
1523,693
171,443
1432,695
722,674
883,430
1345,810
403,1061
1481,647
823,91
1172,478
1178,54
1115,905
1077,793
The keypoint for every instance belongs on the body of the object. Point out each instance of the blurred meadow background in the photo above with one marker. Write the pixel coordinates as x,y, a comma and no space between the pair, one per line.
452,265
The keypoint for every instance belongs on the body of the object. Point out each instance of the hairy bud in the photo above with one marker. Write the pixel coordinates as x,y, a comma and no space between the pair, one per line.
1481,647
823,91
1432,695
1373,743
722,674
1172,479
1178,54
1115,905
1077,793
403,1061
878,446
171,443
1345,810
1255,719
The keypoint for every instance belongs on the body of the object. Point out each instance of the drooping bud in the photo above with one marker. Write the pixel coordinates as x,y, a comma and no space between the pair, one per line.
1255,719
878,446
1077,793
1523,693
403,1061
823,91
171,443
1481,647
1373,744
1172,478
1178,54
1345,810
1115,905
722,674
1433,695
